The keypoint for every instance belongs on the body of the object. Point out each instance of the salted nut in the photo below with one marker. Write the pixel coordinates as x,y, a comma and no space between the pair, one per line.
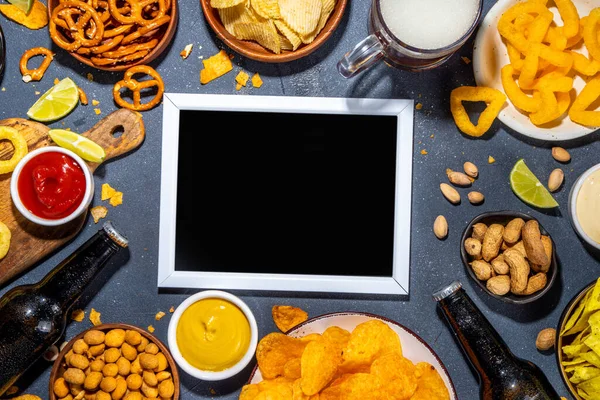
471,169
450,193
560,154
458,178
556,179
476,197
545,339
440,227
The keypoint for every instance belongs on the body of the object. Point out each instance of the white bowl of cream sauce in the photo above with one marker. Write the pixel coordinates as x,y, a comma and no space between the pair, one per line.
584,206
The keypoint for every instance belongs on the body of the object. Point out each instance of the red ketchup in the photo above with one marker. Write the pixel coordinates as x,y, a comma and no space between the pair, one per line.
51,185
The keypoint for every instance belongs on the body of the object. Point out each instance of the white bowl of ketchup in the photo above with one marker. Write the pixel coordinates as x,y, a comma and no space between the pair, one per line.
51,186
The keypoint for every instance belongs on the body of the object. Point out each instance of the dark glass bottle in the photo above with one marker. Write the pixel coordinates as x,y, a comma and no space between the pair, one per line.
34,317
502,375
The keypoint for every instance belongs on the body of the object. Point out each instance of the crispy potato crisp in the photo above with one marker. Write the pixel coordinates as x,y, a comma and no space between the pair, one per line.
107,191
159,315
319,365
116,199
98,212
78,315
370,340
95,317
256,81
286,317
242,78
274,351
430,385
215,66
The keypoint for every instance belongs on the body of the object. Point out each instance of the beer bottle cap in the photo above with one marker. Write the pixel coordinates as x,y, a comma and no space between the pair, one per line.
115,235
446,291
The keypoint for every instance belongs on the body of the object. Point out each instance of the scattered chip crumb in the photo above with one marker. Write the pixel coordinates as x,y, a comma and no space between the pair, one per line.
97,111
98,213
172,309
11,390
187,50
238,86
4,89
107,191
68,129
212,391
231,56
420,95
466,60
151,329
491,160
26,78
256,81
37,92
56,80
242,78
159,315
432,136
424,152
215,66
78,315
419,106
95,102
117,199
90,77
95,317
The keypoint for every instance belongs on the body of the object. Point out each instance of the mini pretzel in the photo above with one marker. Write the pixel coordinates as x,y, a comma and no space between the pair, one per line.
63,14
132,48
128,58
145,29
135,12
38,73
136,87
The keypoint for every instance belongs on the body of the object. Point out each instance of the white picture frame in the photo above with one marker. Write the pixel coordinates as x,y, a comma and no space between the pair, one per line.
396,284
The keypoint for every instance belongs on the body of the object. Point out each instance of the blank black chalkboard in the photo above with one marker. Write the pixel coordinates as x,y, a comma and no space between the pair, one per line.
286,193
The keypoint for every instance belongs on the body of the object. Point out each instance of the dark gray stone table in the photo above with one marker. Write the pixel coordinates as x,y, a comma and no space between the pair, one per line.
129,293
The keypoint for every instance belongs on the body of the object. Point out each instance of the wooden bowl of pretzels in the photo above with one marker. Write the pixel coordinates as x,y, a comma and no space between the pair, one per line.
112,35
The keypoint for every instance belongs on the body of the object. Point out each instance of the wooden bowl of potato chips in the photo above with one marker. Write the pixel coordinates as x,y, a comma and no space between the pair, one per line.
351,356
271,30
577,344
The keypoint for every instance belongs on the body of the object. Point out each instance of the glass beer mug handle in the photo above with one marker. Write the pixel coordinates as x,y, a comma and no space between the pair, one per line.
361,57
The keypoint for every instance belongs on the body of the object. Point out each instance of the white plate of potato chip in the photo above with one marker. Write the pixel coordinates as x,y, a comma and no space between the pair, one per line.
377,354
491,54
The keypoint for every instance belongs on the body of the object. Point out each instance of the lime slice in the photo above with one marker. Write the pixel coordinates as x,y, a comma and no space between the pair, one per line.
57,102
24,5
80,145
529,188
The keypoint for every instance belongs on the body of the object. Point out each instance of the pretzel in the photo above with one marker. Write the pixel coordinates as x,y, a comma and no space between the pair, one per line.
38,73
63,14
136,87
82,96
159,13
119,30
135,12
130,49
145,29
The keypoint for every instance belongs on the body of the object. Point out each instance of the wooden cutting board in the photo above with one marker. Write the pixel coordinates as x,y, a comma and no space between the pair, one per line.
32,242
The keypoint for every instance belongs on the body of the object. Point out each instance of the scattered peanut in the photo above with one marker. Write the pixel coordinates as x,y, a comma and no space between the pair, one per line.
556,179
546,339
475,197
458,178
450,193
561,155
440,227
471,169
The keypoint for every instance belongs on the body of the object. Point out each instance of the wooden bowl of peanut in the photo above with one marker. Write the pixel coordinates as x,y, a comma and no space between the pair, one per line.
113,362
510,256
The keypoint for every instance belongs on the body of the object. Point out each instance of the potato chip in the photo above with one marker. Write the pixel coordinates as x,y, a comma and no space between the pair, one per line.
319,364
298,394
494,98
397,375
5,236
310,337
270,395
337,335
326,10
242,78
579,114
98,212
583,373
288,33
430,385
590,389
95,317
282,386
36,19
256,81
590,357
368,341
301,15
291,369
249,392
107,191
215,66
116,199
232,15
77,315
266,8
354,387
274,351
286,317
264,33
225,3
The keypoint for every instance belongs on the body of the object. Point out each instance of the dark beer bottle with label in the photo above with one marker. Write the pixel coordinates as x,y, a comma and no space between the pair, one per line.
34,317
502,375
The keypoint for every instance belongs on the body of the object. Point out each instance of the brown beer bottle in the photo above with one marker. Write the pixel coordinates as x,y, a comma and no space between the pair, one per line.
34,317
502,375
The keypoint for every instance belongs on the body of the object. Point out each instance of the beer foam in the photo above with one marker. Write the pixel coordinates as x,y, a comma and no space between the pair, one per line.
429,24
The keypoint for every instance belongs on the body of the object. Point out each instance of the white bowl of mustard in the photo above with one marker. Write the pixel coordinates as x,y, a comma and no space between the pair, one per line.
212,335
584,206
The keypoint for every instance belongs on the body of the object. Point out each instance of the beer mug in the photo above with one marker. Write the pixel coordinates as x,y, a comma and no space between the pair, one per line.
413,34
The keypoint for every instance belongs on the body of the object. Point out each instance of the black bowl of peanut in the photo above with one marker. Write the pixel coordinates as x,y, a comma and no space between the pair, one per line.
510,256
113,362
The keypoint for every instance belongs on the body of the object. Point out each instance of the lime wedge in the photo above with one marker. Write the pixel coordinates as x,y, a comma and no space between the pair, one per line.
57,102
80,145
529,188
24,5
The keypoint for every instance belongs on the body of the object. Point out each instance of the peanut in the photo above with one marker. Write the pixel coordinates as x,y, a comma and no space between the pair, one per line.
561,155
166,389
142,346
150,378
74,376
473,248
108,384
499,285
151,348
136,368
492,241
471,169
479,230
519,271
499,265
149,391
96,350
148,361
94,337
124,366
545,339
110,369
450,193
440,227
483,270
79,361
128,351
512,231
120,390
134,382
532,240
92,381
134,395
60,388
476,197
80,346
102,395
97,365
162,362
458,178
520,247
112,355
557,176
161,376
115,338
134,338
536,283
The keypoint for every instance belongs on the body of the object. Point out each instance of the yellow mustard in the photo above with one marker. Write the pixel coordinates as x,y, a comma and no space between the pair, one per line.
213,334
588,206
